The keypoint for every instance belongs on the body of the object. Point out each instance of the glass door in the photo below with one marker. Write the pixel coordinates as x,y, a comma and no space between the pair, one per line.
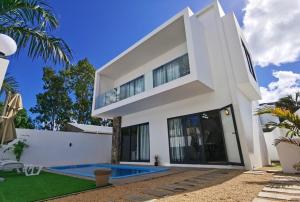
214,145
194,140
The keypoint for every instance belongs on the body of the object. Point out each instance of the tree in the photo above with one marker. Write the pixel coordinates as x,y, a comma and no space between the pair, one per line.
29,23
80,81
9,85
22,120
289,102
54,106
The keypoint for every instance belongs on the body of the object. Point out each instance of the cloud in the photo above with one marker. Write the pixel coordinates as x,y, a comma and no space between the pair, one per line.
287,83
272,29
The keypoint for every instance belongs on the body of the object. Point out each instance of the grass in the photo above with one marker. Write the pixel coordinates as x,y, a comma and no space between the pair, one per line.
19,188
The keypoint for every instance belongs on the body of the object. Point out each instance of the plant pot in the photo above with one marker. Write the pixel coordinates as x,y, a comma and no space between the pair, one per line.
156,163
289,155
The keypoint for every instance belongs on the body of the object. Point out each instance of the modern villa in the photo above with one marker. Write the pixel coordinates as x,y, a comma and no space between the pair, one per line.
186,92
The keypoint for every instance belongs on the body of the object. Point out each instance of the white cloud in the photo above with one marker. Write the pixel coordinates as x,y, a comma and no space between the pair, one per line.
287,83
272,29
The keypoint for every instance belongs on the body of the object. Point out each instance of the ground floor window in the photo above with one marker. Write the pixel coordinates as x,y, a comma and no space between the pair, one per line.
202,138
135,144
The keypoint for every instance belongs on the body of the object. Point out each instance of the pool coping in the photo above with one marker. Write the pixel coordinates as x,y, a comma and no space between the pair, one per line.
55,169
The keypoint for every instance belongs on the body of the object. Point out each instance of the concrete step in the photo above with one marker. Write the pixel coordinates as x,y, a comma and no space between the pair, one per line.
277,196
282,190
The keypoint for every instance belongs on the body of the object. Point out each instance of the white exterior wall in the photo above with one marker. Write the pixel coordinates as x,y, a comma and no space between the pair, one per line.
216,58
51,148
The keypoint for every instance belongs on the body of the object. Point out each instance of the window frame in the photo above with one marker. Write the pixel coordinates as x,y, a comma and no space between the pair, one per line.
130,149
249,60
165,70
133,81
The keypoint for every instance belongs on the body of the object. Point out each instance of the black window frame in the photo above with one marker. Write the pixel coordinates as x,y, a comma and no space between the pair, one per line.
134,87
236,134
165,74
249,60
129,128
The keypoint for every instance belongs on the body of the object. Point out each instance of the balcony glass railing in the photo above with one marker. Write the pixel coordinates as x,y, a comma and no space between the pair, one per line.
172,70
128,89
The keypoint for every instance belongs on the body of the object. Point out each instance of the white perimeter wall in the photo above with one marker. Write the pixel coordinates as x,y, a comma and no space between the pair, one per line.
51,148
270,138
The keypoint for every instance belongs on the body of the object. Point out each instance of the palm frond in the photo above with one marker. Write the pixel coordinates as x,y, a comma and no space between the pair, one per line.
29,12
40,44
9,84
291,120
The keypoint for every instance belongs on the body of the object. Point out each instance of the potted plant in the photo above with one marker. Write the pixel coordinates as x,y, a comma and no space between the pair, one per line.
156,160
288,147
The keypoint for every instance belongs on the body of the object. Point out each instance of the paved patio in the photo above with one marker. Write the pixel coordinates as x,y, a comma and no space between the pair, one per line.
182,185
280,188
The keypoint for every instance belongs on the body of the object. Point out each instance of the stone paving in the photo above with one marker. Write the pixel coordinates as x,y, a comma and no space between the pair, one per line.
280,188
189,184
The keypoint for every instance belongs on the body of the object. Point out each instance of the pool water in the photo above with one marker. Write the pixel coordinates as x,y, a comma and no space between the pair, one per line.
118,171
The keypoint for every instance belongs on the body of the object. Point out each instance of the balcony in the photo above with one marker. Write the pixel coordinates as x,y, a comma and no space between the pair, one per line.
171,62
168,72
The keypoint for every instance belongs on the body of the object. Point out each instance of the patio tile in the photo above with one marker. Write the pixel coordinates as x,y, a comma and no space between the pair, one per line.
255,172
157,192
285,186
138,198
278,196
282,190
188,184
262,200
173,188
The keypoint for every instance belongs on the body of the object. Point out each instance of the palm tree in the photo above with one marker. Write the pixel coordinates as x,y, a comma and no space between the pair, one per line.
29,23
9,85
289,102
291,123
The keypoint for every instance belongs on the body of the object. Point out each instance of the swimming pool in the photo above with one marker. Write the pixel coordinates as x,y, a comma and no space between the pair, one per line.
118,171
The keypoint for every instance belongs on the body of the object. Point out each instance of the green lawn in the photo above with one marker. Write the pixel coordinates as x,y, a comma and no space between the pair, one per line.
19,188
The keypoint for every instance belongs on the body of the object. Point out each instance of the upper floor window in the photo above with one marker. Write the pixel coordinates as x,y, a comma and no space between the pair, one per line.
249,61
133,87
172,70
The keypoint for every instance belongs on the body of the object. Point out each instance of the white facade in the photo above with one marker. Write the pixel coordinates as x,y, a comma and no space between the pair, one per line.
219,76
56,148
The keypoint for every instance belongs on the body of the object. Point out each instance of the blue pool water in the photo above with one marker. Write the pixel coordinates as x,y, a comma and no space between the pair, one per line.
118,171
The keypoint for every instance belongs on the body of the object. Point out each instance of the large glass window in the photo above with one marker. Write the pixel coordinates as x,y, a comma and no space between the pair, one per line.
172,70
135,144
131,88
249,60
199,138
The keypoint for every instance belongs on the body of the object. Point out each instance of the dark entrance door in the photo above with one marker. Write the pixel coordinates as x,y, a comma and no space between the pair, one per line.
194,140
214,145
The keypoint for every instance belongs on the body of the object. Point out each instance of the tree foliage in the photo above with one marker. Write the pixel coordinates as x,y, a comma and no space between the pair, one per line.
54,106
80,81
67,96
29,23
291,123
22,120
290,102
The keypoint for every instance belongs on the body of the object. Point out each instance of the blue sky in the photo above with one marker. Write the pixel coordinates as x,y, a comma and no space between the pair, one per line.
100,30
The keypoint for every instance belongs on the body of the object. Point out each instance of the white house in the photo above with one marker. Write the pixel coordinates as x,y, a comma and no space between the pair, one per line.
186,92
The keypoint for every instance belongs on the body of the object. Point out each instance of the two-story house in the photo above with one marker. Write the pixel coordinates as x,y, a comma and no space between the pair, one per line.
186,92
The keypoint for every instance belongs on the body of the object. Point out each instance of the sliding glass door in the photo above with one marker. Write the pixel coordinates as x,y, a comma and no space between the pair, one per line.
135,144
199,138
